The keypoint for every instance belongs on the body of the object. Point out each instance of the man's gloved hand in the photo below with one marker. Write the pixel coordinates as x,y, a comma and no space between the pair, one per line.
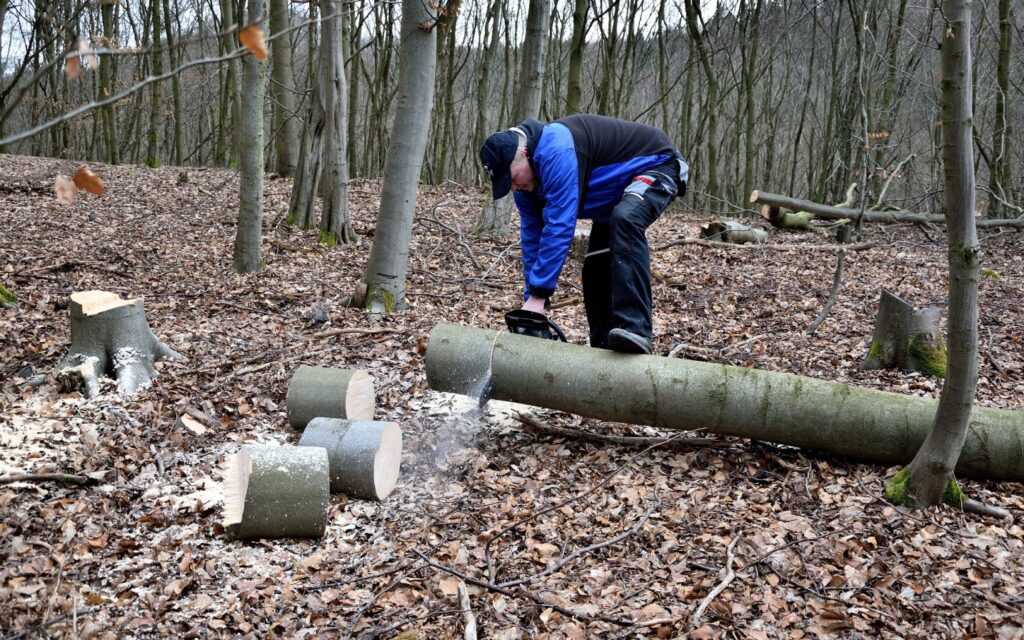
534,304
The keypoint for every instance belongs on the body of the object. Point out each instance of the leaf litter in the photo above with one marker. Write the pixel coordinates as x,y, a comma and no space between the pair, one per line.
817,553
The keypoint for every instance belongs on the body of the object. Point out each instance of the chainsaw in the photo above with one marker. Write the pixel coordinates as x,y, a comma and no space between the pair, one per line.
536,325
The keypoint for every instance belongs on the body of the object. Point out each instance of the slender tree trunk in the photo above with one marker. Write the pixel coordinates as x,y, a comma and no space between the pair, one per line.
697,39
531,73
577,51
483,121
307,177
233,82
250,211
930,473
283,84
156,108
389,256
177,143
107,112
999,170
335,226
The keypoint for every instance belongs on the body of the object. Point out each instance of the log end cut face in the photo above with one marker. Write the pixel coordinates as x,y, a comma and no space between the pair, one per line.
95,302
360,400
387,460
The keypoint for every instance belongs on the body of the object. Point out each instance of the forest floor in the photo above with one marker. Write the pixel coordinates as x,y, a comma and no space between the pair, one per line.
815,550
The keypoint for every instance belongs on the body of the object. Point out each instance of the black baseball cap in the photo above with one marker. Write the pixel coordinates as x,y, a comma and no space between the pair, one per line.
496,155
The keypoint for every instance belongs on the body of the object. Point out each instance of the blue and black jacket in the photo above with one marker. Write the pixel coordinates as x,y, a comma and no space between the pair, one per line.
582,164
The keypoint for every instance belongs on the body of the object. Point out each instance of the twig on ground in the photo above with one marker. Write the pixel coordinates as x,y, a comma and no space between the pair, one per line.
863,246
627,441
469,632
837,281
52,621
727,578
66,478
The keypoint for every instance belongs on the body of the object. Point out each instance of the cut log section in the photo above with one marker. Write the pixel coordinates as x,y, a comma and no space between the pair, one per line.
364,455
276,492
110,336
681,394
786,219
732,232
321,392
906,339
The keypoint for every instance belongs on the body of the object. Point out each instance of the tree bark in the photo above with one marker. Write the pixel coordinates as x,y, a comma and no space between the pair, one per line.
283,83
531,71
680,394
839,213
156,107
1000,180
931,471
249,231
301,210
389,256
577,50
107,113
335,224
906,339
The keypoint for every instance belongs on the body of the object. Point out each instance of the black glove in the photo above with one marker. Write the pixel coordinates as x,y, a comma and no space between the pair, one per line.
533,324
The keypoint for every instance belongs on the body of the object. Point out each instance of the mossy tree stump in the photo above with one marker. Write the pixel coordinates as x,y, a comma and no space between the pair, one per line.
364,455
110,336
906,339
322,392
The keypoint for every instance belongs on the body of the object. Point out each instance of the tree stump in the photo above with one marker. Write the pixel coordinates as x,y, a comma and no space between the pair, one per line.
321,392
364,455
110,336
732,232
906,339
276,492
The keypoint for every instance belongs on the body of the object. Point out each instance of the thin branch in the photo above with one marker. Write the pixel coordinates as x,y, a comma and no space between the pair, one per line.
729,576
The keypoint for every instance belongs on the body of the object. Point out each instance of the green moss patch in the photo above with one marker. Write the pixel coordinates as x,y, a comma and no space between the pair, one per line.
7,297
931,358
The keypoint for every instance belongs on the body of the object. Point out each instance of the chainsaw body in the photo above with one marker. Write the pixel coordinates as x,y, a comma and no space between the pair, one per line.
536,325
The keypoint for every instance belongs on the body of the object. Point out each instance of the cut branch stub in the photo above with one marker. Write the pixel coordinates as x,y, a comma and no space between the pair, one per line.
364,455
786,219
276,492
321,392
110,336
732,232
906,339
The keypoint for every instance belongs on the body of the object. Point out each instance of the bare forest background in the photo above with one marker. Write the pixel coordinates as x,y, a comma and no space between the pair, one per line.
796,97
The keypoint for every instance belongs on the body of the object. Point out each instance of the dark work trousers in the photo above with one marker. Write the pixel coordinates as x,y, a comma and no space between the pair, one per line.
617,268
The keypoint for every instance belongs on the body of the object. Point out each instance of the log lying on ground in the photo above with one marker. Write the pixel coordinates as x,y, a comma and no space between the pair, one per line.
906,339
276,492
364,455
786,219
110,336
838,213
680,394
321,392
732,232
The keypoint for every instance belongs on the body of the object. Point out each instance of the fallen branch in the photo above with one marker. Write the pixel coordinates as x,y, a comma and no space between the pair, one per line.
627,441
469,633
81,481
863,246
729,576
970,505
836,213
832,296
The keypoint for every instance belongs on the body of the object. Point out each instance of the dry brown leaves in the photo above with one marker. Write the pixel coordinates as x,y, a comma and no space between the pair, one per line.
817,554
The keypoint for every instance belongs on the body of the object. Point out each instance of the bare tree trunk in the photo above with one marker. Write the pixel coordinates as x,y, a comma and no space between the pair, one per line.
250,211
283,85
999,169
577,49
697,37
156,108
531,73
389,256
177,144
233,88
307,177
335,226
929,477
106,85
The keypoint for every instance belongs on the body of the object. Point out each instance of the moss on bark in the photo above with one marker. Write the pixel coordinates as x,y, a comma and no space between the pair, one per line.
931,358
896,491
7,297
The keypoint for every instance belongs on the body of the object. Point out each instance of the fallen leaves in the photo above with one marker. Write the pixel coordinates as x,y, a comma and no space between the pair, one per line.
252,39
83,179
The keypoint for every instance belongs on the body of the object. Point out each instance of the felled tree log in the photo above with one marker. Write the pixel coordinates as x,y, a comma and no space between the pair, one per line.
276,492
364,455
786,219
681,394
906,339
321,392
837,213
732,232
110,336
